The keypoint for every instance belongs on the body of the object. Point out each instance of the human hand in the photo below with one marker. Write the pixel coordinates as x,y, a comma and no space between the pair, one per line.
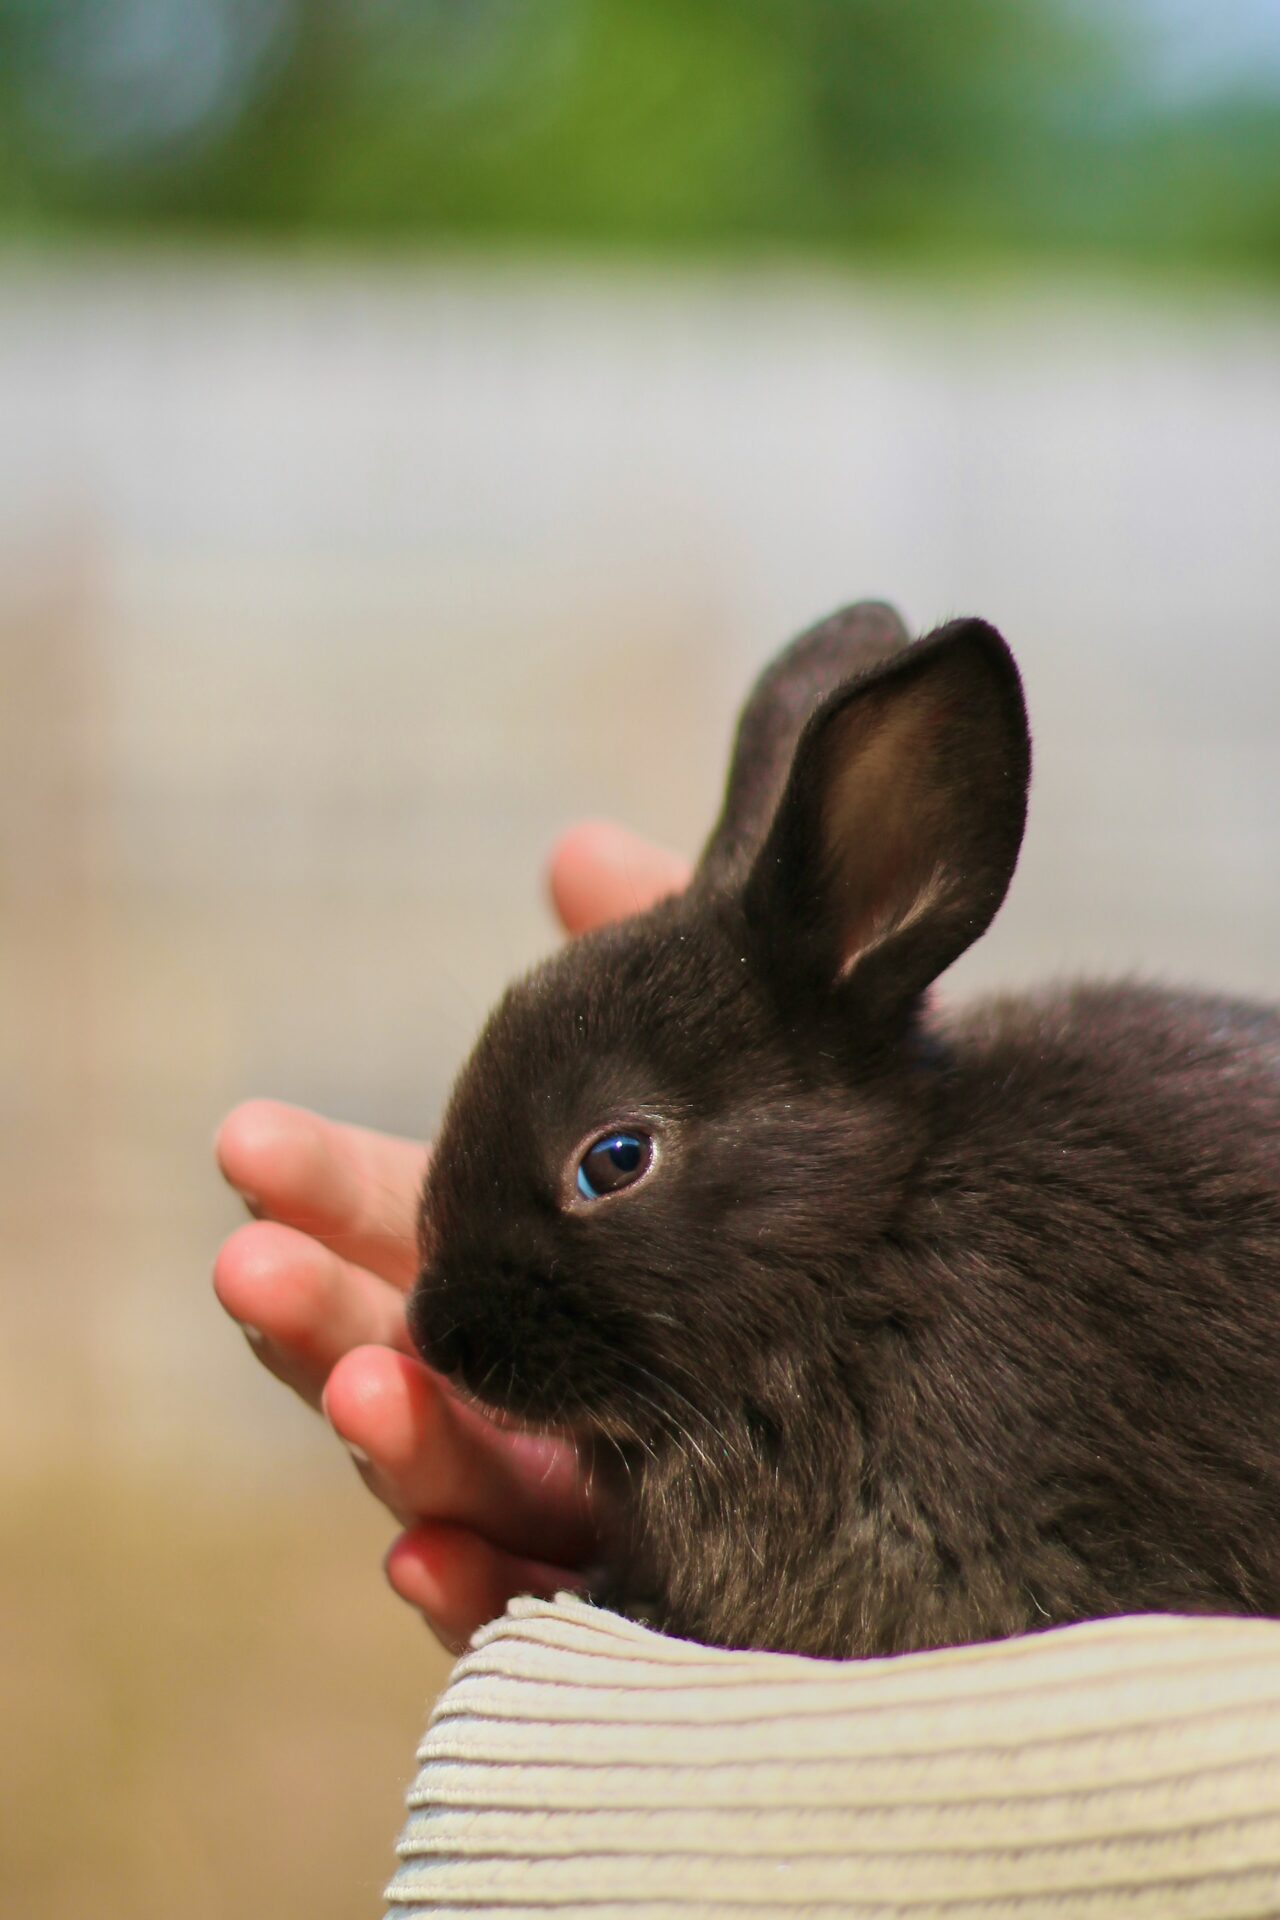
318,1281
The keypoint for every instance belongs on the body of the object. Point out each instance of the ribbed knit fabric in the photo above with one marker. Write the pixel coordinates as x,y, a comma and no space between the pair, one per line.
581,1766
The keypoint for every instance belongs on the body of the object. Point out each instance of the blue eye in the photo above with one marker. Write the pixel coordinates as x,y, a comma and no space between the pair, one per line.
614,1161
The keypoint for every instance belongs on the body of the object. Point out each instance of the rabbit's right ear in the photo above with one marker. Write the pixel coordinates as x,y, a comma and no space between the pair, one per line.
898,833
791,688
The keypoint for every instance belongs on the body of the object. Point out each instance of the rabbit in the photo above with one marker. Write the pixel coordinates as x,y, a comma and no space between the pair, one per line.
882,1327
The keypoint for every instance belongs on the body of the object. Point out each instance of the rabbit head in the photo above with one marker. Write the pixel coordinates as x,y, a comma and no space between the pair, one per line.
672,1138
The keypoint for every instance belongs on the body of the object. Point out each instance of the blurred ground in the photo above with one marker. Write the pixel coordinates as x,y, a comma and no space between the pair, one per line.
325,600
206,1708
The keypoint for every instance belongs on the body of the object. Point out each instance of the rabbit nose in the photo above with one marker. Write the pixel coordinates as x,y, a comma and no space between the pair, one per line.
443,1337
469,1323
458,1355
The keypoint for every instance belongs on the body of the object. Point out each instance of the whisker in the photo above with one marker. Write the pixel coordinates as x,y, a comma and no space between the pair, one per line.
676,1432
732,1450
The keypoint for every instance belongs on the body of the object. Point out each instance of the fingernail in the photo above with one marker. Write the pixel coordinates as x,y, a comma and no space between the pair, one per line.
359,1455
255,1336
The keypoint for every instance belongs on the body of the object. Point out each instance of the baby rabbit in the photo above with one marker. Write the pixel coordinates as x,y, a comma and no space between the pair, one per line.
884,1327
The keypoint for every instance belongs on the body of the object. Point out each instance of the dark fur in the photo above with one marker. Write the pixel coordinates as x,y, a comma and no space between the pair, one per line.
923,1329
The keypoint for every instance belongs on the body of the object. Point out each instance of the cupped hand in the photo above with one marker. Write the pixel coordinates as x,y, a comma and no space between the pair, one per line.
318,1280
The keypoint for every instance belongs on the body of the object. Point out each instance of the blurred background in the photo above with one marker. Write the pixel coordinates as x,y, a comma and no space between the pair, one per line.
418,420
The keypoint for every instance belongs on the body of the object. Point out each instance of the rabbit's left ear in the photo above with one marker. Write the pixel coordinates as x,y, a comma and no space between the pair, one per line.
897,835
855,640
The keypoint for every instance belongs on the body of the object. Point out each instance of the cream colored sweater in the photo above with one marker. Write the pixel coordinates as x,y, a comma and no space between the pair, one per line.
583,1767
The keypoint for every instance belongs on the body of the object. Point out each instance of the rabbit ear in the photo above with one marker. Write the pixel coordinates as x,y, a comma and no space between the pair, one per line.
899,830
787,693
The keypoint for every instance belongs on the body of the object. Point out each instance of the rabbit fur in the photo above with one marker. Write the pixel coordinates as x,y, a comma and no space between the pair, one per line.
920,1327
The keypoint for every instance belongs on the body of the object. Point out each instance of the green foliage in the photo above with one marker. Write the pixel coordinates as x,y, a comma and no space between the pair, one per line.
988,124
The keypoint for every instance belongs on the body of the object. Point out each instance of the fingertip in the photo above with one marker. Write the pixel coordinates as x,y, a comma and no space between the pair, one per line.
387,1404
237,1269
252,1140
407,1571
359,1380
458,1581
573,858
585,840
599,872
254,1276
419,1571
251,1284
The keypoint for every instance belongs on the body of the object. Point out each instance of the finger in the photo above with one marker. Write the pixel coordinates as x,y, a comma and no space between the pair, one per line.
459,1581
431,1457
600,873
306,1306
354,1189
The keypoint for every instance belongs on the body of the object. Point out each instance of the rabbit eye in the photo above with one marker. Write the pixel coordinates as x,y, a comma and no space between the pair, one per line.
614,1161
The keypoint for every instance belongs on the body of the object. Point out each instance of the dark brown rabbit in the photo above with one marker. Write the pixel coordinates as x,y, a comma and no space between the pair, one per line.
887,1329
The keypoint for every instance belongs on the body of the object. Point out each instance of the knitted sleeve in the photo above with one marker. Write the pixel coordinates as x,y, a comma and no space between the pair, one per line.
581,1766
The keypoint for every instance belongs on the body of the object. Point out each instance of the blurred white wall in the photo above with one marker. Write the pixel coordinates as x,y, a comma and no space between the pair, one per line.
327,594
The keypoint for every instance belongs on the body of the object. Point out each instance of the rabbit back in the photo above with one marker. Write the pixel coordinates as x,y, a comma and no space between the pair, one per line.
1057,1372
